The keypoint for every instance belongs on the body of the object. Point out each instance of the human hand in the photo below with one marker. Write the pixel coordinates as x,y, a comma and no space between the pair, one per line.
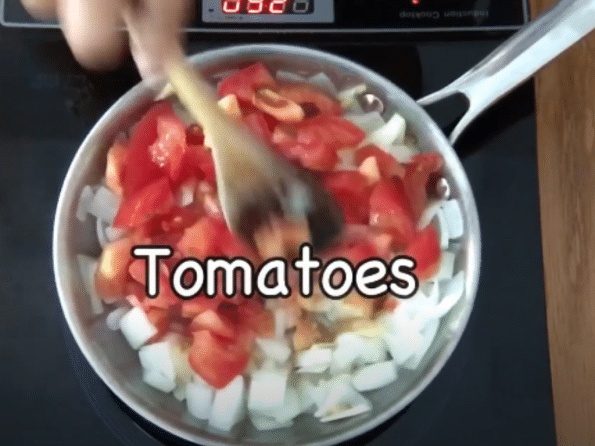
91,28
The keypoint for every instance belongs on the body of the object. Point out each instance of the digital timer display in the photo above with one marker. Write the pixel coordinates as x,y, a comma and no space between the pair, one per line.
267,6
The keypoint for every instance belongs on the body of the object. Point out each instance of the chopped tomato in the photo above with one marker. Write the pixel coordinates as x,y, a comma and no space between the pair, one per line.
159,317
169,148
194,135
112,269
154,199
425,249
416,179
311,155
202,239
140,170
351,192
114,171
263,325
387,164
216,322
390,211
198,163
356,250
193,307
217,360
332,131
245,82
307,95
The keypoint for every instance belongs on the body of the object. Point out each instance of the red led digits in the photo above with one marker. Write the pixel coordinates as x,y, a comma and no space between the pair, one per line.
265,6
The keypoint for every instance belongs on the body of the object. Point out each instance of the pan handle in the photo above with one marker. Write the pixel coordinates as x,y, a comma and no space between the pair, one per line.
518,58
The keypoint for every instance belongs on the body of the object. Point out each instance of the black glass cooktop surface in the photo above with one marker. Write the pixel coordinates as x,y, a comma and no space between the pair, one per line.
495,389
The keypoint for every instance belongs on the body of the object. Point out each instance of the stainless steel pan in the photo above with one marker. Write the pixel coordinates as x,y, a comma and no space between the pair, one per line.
117,365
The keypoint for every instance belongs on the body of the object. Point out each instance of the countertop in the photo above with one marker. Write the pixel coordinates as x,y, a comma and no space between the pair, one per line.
565,104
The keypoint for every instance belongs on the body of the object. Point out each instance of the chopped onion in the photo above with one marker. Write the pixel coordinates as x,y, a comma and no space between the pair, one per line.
158,380
342,401
316,369
428,335
101,236
264,423
105,205
84,204
228,405
113,319
277,349
180,392
454,218
286,76
453,292
402,339
310,394
447,265
114,234
368,122
402,152
157,357
431,210
375,351
348,97
314,357
369,168
199,400
393,132
375,376
323,82
267,389
136,328
443,229
87,267
291,407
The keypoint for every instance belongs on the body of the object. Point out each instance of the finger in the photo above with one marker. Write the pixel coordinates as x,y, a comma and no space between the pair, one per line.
40,9
91,29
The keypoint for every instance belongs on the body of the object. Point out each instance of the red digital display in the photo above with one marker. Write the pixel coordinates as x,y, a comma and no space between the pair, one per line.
266,6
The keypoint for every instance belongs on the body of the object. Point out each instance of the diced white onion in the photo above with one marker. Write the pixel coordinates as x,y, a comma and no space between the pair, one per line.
342,401
87,267
228,405
179,392
157,357
369,168
454,218
447,265
114,234
316,369
393,132
267,389
286,76
101,236
314,357
428,334
199,400
84,204
402,152
185,194
323,82
290,409
443,230
453,291
375,376
368,122
402,338
158,380
375,351
105,205
136,328
113,319
279,316
277,349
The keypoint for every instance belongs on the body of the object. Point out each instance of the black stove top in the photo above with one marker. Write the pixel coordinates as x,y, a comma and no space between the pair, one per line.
494,390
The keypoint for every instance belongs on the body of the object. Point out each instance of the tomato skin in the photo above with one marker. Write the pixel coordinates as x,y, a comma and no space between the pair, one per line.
425,249
194,135
390,211
311,155
217,360
155,198
307,94
246,81
387,165
332,131
140,170
417,175
193,307
159,317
